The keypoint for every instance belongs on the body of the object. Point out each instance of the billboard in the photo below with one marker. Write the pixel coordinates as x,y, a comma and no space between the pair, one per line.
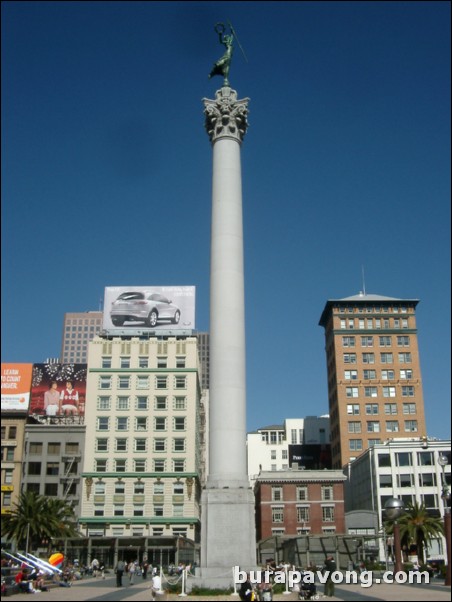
58,390
16,384
311,457
149,307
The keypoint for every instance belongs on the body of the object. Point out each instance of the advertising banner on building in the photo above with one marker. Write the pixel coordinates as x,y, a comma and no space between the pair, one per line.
149,307
310,457
16,385
58,390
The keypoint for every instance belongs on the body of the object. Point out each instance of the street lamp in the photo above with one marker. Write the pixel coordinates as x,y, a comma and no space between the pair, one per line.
394,509
443,460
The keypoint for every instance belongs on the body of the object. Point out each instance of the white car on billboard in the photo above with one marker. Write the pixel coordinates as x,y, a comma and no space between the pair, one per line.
150,308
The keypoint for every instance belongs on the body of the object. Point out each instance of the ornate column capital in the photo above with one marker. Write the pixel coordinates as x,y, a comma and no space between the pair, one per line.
226,117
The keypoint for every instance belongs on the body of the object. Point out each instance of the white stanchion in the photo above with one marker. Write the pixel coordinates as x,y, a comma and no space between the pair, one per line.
287,580
184,578
234,593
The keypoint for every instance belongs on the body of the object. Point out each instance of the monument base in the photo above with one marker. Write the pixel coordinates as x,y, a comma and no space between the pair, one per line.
228,535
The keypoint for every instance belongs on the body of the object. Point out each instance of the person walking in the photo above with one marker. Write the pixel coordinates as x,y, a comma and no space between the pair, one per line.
156,586
119,570
329,567
131,568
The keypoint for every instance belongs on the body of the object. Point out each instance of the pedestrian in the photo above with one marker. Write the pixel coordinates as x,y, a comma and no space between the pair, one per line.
156,586
131,568
246,589
329,568
95,567
119,570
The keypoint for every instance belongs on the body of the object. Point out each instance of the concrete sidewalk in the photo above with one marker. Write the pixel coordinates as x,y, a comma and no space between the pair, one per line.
97,589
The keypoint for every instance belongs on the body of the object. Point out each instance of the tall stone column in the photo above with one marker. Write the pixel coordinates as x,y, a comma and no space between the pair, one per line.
228,524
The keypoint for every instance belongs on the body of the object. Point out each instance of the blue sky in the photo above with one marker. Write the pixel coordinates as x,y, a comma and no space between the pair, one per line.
106,173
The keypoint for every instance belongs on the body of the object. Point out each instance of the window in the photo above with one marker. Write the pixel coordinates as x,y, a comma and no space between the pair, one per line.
373,426
120,465
406,374
122,403
387,375
105,382
159,465
389,392
351,391
178,445
367,341
102,444
158,510
178,488
121,444
159,445
355,444
120,488
98,510
405,358
179,423
390,408
180,382
139,465
328,514
10,454
385,341
35,449
277,494
425,459
403,341
354,427
100,465
159,423
143,362
142,382
352,408
371,409
370,392
106,362
141,423
350,375
427,479
369,374
34,468
180,362
408,391
141,402
409,408
103,402
118,510
124,382
302,494
179,465
327,492
403,459
405,480
302,514
180,403
386,358
349,358
162,362
138,510
103,423
348,341
392,426
386,480
384,460
161,382
99,488
159,489
138,488
140,445
8,476
53,449
122,423
124,362
410,426
51,489
277,514
368,358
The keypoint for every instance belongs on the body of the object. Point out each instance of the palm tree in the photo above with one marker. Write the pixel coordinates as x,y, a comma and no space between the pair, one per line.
36,517
418,527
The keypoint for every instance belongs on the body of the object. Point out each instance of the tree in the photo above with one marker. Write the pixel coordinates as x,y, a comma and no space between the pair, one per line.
37,517
418,527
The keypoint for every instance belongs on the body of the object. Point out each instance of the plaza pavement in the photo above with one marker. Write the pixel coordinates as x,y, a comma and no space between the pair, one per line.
99,590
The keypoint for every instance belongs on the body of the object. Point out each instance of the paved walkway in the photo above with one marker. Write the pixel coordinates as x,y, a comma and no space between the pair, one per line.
99,590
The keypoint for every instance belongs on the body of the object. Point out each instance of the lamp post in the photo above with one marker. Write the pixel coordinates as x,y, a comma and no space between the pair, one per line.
443,461
394,509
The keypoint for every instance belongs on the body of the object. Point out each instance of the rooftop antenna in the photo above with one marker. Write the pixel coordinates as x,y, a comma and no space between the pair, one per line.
364,280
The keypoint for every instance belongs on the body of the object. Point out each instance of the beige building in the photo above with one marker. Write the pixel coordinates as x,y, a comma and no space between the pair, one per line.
13,430
144,445
79,329
374,375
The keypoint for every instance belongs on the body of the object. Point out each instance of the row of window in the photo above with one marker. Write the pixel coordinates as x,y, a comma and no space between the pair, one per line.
103,423
138,465
372,391
142,382
371,323
141,402
390,409
303,514
386,357
384,374
302,493
141,444
138,510
383,341
424,458
143,362
408,480
53,468
373,426
369,309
